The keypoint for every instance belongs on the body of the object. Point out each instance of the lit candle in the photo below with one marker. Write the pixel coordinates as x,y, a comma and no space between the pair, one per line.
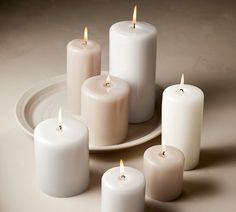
182,113
163,170
83,61
62,156
123,190
133,59
105,109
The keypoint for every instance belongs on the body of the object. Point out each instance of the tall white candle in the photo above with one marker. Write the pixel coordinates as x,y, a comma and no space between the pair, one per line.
133,58
83,61
123,190
62,156
182,113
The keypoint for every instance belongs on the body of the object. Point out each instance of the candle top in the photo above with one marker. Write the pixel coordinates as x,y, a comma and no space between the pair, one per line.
96,87
133,179
73,131
183,91
78,45
126,28
172,156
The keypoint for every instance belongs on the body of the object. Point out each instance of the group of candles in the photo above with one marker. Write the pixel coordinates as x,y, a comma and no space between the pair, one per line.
107,104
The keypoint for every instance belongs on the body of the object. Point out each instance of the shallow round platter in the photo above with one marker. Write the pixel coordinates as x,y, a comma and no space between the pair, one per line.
43,100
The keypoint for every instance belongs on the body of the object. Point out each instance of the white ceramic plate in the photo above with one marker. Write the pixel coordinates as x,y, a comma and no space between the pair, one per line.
42,101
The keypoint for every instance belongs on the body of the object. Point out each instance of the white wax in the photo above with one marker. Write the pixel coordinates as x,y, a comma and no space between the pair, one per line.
182,114
62,157
133,58
83,62
123,195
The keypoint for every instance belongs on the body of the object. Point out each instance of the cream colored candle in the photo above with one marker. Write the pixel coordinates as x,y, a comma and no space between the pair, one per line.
182,113
105,109
83,61
163,170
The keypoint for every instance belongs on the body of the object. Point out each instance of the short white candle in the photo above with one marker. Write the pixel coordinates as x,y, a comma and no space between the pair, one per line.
133,59
62,156
123,190
182,113
83,61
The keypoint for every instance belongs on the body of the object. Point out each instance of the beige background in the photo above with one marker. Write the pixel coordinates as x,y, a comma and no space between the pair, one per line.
194,37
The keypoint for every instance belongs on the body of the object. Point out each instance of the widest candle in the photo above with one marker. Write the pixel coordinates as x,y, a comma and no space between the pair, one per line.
83,61
62,156
182,113
123,190
133,59
105,109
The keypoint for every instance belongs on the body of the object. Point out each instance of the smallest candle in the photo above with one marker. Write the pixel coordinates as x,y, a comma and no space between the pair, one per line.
163,170
123,190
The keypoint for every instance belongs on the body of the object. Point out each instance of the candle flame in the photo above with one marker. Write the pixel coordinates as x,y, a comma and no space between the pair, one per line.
108,81
182,83
85,35
182,80
163,146
134,19
122,170
60,118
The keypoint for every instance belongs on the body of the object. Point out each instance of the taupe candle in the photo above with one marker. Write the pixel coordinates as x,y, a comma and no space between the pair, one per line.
104,108
163,170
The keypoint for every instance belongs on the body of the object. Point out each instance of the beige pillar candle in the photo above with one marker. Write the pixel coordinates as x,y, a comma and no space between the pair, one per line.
163,169
83,61
104,108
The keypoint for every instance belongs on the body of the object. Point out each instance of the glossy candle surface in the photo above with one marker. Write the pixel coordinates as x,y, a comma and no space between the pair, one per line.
182,114
105,109
163,173
83,61
133,59
123,195
62,157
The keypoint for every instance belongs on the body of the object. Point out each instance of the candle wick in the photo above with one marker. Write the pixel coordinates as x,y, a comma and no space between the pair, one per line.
60,127
122,177
134,25
163,152
107,84
182,90
85,42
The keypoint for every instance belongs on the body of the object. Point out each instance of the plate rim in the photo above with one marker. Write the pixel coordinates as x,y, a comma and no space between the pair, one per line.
39,86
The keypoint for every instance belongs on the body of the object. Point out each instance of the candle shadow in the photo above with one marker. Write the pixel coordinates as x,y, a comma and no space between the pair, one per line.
198,188
217,156
153,206
95,179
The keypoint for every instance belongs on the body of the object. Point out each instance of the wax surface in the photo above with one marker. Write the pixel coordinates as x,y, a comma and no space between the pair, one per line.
62,158
105,110
125,195
182,114
163,173
83,61
133,59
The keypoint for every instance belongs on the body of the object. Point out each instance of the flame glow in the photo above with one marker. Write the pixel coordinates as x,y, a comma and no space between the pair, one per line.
182,80
60,118
85,35
134,19
122,169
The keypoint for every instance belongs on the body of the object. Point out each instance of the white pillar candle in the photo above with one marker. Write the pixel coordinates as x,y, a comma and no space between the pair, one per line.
83,61
182,113
62,156
163,169
123,190
105,109
133,58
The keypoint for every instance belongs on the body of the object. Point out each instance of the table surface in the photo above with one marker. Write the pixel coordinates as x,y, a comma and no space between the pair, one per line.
197,38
